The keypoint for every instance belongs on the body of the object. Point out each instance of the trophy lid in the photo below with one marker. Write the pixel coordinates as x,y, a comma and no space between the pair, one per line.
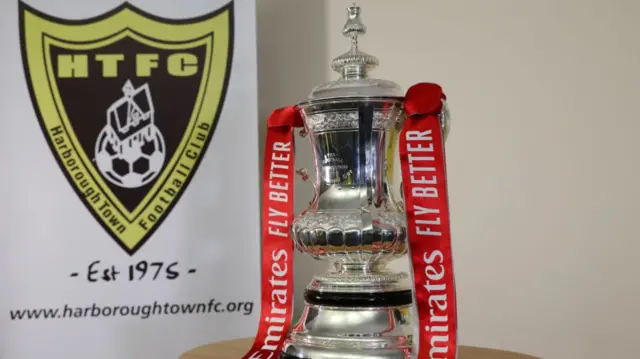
354,66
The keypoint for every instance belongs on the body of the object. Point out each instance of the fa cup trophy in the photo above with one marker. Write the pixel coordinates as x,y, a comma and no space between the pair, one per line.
360,309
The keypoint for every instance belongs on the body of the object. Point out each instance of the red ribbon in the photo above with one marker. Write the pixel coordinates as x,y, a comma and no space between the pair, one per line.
422,159
277,247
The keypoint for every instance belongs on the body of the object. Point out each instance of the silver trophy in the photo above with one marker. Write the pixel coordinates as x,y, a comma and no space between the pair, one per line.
359,308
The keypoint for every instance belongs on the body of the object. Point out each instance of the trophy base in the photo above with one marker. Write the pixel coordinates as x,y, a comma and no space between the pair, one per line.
352,325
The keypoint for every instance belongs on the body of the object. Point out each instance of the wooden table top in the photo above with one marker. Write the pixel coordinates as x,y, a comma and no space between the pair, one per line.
235,349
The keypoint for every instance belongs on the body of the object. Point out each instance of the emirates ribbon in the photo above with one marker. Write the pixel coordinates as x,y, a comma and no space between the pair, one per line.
277,247
422,160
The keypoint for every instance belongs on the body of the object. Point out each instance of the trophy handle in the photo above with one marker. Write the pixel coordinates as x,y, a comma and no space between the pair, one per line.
304,175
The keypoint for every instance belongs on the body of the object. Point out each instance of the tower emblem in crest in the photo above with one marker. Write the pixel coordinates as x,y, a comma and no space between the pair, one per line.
130,149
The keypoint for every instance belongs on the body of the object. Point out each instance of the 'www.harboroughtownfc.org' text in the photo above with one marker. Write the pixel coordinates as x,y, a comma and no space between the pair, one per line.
142,311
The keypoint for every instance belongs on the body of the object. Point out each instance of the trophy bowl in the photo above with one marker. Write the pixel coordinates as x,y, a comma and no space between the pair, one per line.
353,221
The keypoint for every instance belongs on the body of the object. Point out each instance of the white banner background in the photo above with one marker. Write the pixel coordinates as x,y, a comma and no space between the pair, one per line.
47,233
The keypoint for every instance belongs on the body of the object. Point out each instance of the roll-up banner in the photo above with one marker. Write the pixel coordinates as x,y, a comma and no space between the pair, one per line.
129,194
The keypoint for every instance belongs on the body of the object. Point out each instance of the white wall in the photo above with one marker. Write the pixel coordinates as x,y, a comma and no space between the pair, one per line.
544,171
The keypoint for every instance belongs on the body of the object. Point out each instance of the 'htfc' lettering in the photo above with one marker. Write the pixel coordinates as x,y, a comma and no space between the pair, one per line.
179,64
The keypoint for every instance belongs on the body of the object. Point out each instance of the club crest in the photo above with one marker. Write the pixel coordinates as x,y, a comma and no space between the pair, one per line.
128,103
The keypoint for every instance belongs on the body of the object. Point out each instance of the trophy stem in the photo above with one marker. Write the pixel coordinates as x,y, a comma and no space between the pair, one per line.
358,268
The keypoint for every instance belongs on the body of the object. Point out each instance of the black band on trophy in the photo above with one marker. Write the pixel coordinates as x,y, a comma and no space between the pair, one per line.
359,300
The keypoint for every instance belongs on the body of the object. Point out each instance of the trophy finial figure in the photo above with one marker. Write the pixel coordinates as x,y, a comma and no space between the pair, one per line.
354,26
354,64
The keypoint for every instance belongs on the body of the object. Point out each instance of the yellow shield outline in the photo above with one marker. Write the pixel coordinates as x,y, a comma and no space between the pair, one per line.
38,31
